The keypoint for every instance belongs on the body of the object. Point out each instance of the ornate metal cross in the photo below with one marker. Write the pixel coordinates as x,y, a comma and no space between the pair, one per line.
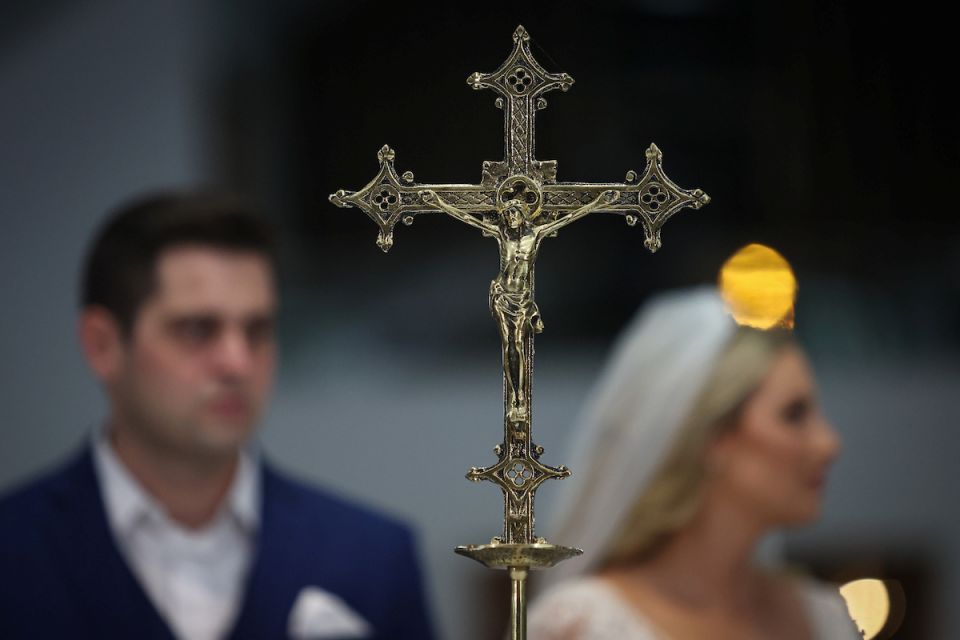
519,203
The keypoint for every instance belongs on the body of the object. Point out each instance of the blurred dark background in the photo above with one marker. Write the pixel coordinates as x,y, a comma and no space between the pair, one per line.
825,130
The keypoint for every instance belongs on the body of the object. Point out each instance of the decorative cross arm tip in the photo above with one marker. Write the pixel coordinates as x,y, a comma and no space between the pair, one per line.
650,198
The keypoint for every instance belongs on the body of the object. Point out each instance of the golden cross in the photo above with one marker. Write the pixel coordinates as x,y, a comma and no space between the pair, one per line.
519,203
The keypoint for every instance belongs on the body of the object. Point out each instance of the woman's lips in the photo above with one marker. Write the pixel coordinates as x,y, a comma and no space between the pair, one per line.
818,482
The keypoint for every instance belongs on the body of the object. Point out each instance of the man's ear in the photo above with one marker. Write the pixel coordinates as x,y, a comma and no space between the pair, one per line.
102,342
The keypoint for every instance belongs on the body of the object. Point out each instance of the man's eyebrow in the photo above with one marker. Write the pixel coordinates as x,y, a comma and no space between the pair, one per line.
194,316
259,319
218,316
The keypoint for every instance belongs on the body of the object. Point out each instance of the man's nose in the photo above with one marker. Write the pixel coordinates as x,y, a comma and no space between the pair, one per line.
234,355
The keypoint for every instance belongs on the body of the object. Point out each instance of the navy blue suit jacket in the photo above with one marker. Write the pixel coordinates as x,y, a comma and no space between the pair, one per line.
62,576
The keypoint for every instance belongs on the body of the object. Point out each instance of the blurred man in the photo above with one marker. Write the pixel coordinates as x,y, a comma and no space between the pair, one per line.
167,524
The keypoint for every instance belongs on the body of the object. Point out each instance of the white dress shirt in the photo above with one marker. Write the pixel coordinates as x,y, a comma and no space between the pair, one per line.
194,577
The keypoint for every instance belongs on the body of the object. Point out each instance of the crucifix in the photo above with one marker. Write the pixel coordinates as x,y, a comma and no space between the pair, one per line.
519,203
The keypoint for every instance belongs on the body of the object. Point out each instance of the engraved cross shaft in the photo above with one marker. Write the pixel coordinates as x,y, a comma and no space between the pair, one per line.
519,203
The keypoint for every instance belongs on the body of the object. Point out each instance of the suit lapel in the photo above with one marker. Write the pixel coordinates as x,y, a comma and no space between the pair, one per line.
115,603
274,582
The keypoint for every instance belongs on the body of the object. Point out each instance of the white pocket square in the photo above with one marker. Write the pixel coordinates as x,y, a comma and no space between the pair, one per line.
320,614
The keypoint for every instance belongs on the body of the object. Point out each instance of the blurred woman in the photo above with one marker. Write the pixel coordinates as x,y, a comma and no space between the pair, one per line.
700,438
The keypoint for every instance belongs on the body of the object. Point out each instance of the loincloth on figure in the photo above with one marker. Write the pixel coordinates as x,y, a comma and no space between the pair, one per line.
519,307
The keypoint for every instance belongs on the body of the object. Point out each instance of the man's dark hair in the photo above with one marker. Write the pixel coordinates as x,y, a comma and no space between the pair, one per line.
119,273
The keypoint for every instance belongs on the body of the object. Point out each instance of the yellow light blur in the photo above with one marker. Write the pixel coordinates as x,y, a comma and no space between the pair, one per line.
759,287
868,603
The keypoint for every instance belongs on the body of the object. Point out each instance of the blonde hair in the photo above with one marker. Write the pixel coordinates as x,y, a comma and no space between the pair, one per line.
672,497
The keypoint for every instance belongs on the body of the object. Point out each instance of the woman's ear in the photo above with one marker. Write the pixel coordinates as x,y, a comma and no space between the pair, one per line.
102,342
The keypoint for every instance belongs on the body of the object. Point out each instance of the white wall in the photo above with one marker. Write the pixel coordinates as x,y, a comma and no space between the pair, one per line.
97,103
895,486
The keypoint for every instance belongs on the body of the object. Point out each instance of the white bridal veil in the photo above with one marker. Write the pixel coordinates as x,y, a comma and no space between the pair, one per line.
632,417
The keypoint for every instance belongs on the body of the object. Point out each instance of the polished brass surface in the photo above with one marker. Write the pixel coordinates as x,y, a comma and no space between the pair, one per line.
503,555
518,603
519,202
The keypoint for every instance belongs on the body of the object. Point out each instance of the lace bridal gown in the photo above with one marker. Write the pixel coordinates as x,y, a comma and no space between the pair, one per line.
592,609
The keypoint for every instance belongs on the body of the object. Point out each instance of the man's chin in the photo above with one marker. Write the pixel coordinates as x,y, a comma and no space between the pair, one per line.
223,438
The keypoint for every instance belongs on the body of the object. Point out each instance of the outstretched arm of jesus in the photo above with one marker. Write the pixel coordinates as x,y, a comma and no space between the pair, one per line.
430,197
606,197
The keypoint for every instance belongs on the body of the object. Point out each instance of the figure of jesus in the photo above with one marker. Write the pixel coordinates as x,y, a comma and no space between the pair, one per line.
518,230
